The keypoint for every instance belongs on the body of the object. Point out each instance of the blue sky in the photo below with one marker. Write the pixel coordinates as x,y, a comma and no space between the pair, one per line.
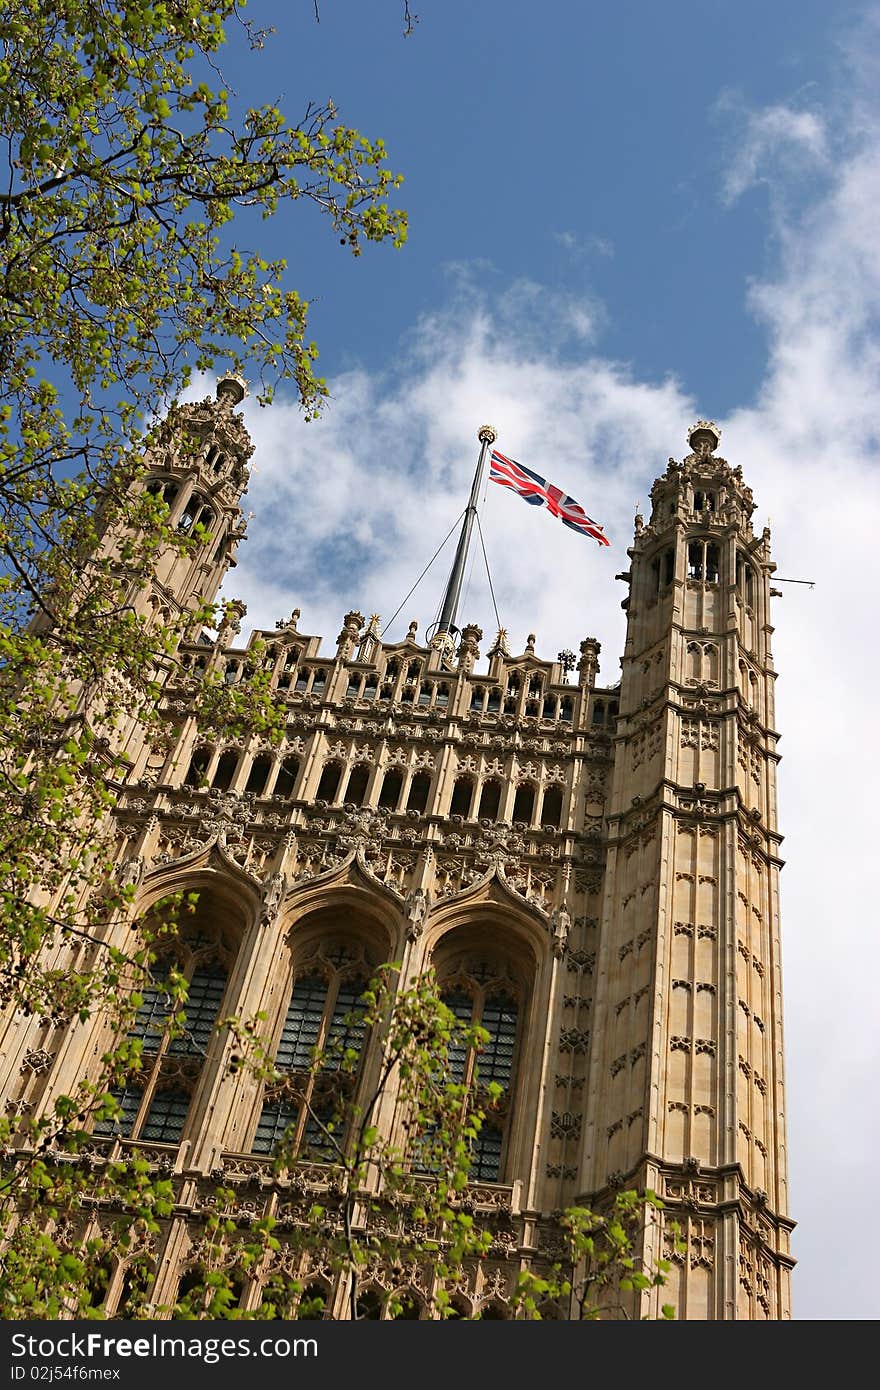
621,218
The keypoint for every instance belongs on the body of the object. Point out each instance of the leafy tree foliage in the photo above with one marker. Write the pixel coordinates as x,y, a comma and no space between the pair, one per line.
133,176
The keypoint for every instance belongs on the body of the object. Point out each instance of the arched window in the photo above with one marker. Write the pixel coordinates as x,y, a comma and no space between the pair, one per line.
302,681
745,580
392,785
287,775
325,1017
353,689
462,797
490,800
496,1312
174,1036
285,675
164,488
215,460
426,690
524,803
477,697
712,564
198,767
598,712
411,1307
550,707
369,1305
356,788
319,680
312,1303
419,788
493,704
329,783
259,774
551,808
196,513
225,770
441,700
478,996
566,708
371,686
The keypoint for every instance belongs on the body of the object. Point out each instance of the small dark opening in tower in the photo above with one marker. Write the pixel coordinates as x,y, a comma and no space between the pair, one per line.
286,779
259,775
198,767
329,783
357,785
490,800
551,810
225,770
419,788
524,803
462,796
392,785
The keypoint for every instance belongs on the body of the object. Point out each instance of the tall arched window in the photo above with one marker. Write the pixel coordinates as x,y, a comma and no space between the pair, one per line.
155,1101
462,797
259,774
329,783
225,770
490,800
325,1017
392,785
524,803
198,767
480,994
164,488
356,788
196,513
419,788
551,808
287,775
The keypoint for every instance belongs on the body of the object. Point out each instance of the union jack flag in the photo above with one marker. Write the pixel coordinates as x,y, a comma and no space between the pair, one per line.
539,493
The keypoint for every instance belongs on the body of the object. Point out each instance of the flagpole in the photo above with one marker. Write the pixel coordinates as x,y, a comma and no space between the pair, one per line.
446,624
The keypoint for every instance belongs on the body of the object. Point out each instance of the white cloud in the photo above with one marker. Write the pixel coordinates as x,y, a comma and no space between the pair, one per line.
772,145
348,511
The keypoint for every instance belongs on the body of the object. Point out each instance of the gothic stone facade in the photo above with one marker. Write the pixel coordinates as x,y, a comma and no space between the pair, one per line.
595,868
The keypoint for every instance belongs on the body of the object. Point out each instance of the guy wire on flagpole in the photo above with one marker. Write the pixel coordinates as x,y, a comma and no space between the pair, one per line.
424,572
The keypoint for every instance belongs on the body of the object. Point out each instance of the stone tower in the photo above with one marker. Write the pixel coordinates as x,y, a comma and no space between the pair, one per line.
591,872
686,1078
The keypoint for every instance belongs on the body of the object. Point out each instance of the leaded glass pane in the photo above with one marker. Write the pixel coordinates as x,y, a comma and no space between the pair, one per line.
495,1062
166,1117
206,991
129,1101
347,1026
457,1050
486,1155
275,1118
317,1143
152,1016
302,1025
